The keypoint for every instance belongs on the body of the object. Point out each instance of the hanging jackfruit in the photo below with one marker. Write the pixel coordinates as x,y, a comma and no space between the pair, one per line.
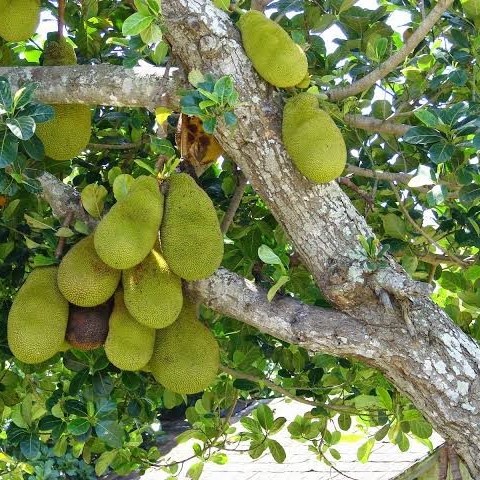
83,278
275,56
127,233
37,321
312,139
152,292
191,240
67,134
88,326
186,355
129,344
18,19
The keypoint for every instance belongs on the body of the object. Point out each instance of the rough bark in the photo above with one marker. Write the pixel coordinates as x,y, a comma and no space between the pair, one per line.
438,366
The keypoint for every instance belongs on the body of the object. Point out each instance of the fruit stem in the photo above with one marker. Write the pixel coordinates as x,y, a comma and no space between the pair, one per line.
61,18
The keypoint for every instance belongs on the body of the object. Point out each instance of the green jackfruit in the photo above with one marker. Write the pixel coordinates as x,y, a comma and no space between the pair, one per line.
67,134
275,56
152,292
83,278
186,355
88,326
471,8
312,139
129,344
37,321
58,52
128,232
18,19
192,242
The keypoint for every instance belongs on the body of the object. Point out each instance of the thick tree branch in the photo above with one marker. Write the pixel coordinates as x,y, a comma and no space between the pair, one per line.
100,84
339,93
375,125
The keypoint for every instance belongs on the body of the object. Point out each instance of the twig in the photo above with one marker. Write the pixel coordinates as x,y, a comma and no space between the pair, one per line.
234,202
285,392
339,93
420,230
375,125
348,183
113,146
61,241
454,464
443,463
437,259
390,177
260,4
61,17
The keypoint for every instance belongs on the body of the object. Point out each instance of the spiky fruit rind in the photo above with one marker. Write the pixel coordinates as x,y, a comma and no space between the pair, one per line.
37,321
186,355
152,292
192,243
128,232
313,141
129,344
275,56
88,326
83,278
58,52
67,134
471,8
18,19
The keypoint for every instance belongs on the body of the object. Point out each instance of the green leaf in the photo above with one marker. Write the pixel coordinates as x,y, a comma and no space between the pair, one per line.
104,461
160,52
422,135
427,117
111,432
78,426
268,256
195,77
34,148
437,195
277,451
251,424
42,113
135,23
219,458
75,407
24,95
469,193
394,226
385,398
30,446
264,416
93,199
441,152
48,423
223,88
8,149
344,421
22,127
195,471
363,453
6,98
278,284
421,428
277,425
121,185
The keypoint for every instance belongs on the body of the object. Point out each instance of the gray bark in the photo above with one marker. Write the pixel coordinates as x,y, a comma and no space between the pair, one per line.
438,366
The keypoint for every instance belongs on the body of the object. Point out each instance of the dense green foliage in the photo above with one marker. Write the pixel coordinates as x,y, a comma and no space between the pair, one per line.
78,413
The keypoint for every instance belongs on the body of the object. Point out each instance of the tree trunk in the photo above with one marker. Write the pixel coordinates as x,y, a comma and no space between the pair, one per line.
387,320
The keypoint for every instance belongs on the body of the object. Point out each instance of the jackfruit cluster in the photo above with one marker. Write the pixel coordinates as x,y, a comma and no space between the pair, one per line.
313,141
67,134
120,287
18,19
275,56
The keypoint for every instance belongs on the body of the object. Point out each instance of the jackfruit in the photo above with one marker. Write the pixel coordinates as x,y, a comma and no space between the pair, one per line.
88,326
186,355
127,233
152,292
129,345
18,19
58,52
67,134
275,56
192,243
83,278
37,321
312,139
471,8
